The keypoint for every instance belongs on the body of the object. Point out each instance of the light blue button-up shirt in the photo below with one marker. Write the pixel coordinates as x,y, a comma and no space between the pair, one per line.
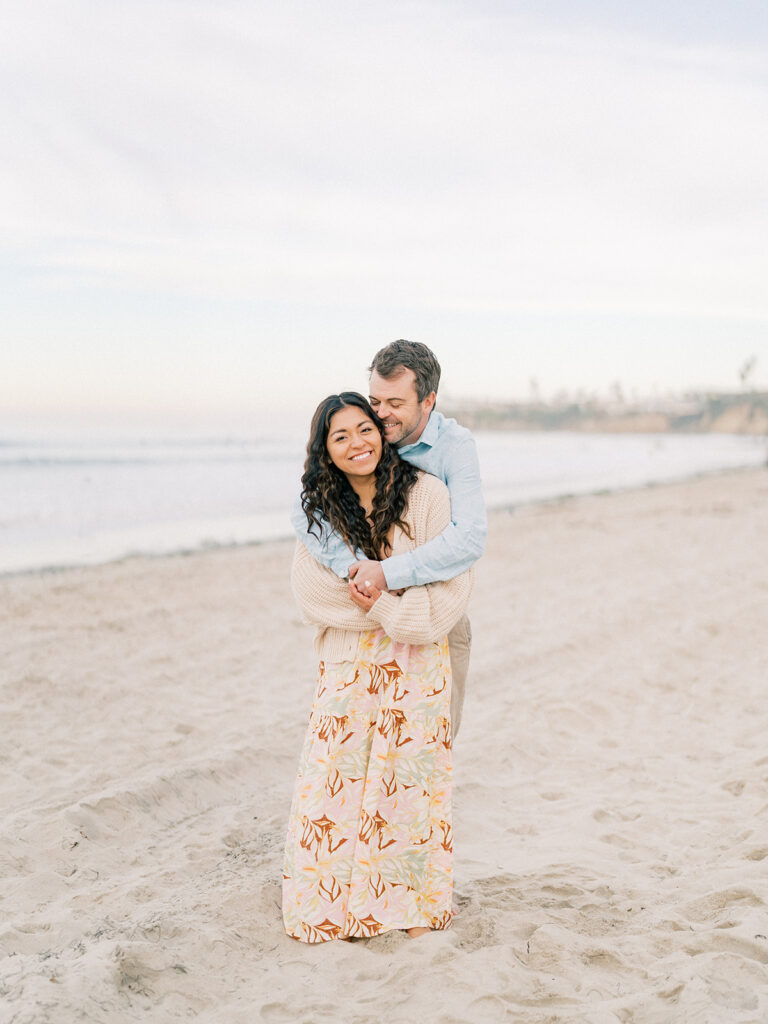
447,451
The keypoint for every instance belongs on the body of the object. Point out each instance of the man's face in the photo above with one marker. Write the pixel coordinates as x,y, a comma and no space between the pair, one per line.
396,403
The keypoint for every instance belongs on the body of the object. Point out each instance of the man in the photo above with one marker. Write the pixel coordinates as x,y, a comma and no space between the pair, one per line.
405,376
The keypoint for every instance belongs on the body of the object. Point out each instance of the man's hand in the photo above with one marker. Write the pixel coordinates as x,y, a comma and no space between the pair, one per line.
364,601
368,576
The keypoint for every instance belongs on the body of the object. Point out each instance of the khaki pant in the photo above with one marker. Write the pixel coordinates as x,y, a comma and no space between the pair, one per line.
459,643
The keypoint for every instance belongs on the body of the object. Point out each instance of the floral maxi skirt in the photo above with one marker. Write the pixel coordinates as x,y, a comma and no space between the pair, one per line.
369,845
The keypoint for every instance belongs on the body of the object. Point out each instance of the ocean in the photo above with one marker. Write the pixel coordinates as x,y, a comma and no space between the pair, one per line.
90,500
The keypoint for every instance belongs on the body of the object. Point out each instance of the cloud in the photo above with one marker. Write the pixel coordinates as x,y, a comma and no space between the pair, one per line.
431,157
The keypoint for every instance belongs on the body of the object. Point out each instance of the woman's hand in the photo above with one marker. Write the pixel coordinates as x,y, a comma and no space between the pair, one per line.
362,600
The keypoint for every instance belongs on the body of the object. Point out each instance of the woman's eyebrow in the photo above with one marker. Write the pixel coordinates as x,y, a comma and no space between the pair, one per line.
343,430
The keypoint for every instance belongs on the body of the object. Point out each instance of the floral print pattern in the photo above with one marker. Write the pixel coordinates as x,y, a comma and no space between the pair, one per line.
369,845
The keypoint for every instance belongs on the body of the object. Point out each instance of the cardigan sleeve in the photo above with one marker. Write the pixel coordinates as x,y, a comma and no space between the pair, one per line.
322,596
425,614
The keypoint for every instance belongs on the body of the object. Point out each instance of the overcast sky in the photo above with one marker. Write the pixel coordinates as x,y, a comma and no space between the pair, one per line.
219,206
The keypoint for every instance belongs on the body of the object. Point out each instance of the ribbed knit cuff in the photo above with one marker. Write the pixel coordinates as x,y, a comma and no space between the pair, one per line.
384,605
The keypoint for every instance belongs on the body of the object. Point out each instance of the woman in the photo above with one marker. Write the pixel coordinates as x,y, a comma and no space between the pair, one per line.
369,845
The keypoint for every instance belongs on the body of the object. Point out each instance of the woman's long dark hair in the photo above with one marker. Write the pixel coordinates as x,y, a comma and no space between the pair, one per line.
326,492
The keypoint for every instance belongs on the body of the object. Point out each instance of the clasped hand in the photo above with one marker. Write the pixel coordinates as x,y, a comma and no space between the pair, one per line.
368,576
367,583
364,601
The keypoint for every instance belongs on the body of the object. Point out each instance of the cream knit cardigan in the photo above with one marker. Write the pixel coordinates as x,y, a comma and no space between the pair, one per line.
420,615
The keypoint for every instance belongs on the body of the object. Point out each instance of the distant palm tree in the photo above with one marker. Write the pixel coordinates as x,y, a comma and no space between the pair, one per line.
747,370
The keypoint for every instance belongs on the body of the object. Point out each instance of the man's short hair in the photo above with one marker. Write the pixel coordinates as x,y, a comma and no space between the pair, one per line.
391,360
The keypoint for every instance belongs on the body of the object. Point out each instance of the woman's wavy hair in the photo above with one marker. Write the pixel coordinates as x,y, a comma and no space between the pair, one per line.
327,494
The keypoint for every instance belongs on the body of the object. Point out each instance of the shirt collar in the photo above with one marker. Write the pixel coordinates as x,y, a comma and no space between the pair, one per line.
428,434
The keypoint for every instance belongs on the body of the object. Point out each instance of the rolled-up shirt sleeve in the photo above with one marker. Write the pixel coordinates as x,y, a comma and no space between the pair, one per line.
462,542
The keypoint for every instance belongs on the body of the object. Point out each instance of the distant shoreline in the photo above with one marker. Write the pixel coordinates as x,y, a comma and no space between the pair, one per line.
720,413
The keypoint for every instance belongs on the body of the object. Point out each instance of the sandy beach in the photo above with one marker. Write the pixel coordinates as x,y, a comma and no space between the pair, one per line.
611,783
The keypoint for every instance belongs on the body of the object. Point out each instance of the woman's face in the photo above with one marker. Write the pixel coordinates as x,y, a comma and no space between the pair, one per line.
354,442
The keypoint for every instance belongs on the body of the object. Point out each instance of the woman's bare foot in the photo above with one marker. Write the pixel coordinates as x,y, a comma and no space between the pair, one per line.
414,933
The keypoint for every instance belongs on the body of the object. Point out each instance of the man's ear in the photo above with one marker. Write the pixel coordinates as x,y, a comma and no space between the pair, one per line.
430,401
